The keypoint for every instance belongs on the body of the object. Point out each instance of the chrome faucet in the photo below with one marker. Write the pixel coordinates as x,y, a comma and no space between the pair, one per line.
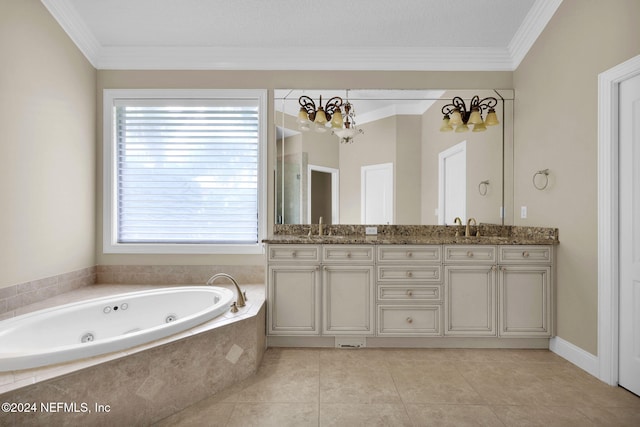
242,296
467,230
458,221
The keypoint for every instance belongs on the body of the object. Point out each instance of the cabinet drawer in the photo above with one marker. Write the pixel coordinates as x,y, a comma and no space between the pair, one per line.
409,273
409,253
525,254
432,293
470,254
347,254
294,253
409,320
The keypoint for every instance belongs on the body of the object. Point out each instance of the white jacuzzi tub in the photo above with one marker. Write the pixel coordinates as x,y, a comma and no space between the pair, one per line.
104,325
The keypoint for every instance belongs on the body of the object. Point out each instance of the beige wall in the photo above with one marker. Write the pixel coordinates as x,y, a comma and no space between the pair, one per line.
47,147
556,128
376,145
408,167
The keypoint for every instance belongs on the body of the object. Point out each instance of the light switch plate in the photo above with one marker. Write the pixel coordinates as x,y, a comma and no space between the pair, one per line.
523,212
371,231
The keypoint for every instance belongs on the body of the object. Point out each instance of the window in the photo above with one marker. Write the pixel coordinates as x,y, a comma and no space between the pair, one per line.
184,171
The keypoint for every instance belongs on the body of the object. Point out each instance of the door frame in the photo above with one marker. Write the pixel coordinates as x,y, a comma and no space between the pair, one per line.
608,220
335,191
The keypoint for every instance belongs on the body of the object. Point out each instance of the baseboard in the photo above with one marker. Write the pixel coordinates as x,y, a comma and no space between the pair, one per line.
574,354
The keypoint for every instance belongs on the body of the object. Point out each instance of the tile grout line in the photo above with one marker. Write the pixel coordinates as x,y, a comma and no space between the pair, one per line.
487,404
395,385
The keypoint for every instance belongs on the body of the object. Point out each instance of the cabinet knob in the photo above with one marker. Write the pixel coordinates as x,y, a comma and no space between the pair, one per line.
348,254
410,293
494,268
293,254
525,254
409,254
470,254
409,274
409,320
503,268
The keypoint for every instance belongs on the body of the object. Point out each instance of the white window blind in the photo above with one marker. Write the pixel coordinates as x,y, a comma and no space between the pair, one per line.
187,171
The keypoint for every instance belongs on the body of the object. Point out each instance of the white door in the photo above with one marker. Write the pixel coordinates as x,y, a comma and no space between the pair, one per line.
629,341
452,184
377,194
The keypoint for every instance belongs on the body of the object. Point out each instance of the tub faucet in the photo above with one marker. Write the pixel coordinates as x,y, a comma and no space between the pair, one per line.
242,296
458,221
467,230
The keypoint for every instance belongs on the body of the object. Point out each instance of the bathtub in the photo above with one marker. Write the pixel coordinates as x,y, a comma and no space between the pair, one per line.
104,325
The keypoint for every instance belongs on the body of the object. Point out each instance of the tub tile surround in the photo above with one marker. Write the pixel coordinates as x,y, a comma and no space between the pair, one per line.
171,274
21,298
414,234
150,381
14,298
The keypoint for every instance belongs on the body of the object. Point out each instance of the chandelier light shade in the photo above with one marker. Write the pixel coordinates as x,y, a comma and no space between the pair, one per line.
330,116
317,118
457,116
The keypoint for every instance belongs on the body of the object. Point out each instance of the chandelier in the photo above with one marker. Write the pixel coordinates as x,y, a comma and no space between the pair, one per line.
456,115
336,115
321,118
349,130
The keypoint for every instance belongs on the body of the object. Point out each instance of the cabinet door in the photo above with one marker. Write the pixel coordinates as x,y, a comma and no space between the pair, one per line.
525,301
348,300
470,295
294,300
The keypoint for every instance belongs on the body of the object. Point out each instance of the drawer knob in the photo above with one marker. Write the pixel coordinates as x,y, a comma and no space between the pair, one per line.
409,320
410,293
409,254
293,254
409,274
348,254
470,254
525,254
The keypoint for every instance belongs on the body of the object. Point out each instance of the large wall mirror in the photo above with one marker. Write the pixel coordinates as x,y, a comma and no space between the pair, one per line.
399,168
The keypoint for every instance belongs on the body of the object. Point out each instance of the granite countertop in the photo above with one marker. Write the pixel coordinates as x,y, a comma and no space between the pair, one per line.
414,235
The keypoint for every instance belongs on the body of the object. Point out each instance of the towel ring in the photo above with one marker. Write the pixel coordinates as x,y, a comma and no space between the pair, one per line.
544,172
483,187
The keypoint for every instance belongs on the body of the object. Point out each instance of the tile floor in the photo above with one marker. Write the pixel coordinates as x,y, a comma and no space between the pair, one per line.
414,387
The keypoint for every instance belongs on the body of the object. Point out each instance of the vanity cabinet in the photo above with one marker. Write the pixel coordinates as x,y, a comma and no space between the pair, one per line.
525,303
347,290
294,290
356,292
409,290
320,289
470,290
501,291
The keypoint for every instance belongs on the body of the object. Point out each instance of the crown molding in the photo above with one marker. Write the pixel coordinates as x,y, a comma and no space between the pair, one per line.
68,18
224,58
531,28
287,58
